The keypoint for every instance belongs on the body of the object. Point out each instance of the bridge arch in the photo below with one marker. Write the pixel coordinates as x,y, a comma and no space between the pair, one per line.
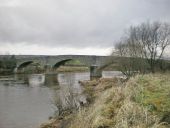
63,62
24,64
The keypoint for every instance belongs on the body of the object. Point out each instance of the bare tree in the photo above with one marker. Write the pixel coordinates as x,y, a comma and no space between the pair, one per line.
147,41
131,60
152,38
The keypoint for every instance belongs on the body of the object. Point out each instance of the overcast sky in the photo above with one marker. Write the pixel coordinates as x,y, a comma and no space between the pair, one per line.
72,26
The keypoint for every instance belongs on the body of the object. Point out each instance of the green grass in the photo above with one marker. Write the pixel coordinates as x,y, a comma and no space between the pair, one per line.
155,93
74,62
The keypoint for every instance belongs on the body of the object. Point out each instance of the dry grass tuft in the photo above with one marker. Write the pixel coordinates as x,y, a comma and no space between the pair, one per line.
118,106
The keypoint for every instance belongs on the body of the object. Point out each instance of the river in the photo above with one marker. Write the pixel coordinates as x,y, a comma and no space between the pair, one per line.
26,101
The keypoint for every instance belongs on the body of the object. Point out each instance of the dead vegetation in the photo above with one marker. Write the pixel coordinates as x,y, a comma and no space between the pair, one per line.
126,105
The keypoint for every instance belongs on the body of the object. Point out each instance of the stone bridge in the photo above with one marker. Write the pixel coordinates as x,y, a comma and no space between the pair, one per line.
94,62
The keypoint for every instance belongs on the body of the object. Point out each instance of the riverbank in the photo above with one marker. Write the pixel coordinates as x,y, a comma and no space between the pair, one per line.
141,102
72,69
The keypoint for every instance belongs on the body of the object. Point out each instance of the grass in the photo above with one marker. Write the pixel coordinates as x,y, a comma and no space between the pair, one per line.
72,69
155,94
143,102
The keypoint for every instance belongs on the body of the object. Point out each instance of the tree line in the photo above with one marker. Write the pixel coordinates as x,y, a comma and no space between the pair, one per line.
142,48
7,64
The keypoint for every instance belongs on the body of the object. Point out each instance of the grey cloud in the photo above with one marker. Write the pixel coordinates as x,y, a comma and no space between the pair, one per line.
76,23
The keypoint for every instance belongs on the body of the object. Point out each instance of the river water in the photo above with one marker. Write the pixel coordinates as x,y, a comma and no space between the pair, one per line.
26,101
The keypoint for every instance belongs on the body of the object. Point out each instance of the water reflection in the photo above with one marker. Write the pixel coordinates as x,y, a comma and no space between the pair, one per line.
51,80
111,74
36,80
23,105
